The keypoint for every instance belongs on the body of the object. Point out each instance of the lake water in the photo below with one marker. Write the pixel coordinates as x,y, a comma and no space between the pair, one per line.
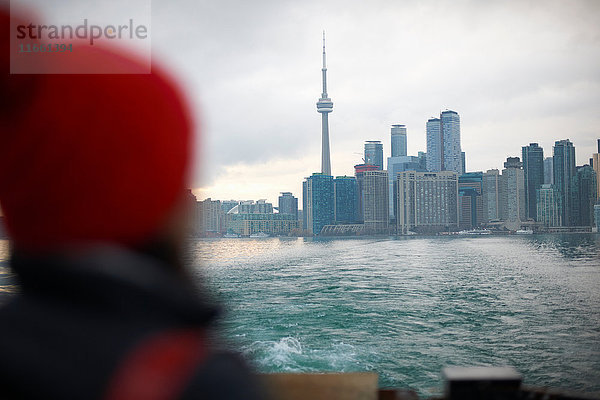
406,308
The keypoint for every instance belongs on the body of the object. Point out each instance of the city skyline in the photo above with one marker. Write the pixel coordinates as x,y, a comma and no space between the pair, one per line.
417,142
517,72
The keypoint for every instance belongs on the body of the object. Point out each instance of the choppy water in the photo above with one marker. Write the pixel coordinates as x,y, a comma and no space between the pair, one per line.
406,308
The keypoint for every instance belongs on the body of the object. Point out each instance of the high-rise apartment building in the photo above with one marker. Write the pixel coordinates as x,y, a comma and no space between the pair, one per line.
375,191
470,200
452,159
547,206
491,195
533,170
400,162
396,165
434,145
583,196
346,199
443,143
209,216
374,153
564,172
399,145
427,201
288,204
318,202
549,171
359,173
596,166
246,224
513,208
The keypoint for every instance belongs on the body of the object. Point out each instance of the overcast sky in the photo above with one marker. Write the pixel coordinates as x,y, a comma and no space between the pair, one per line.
516,72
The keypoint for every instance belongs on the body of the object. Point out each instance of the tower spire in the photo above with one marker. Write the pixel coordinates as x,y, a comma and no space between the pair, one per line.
325,106
324,69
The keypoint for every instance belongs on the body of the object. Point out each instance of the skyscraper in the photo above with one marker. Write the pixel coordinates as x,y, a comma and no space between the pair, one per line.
470,189
443,143
491,195
400,162
512,193
359,173
533,169
547,206
427,201
318,202
451,158
398,140
463,160
325,106
548,171
396,165
596,166
288,204
564,171
434,145
346,199
374,153
583,196
376,203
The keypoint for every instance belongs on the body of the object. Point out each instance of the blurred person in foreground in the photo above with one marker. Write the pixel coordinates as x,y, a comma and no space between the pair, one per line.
93,172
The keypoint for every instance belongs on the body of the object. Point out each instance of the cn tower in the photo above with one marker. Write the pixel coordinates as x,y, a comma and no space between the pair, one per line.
325,106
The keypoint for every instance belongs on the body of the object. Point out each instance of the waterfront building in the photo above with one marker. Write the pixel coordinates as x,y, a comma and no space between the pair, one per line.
399,162
288,204
324,107
249,207
549,171
346,200
227,205
564,172
597,216
547,206
434,145
359,173
451,158
512,193
374,153
396,165
246,224
533,171
398,139
584,196
470,200
443,143
375,193
427,201
209,217
491,195
596,166
318,202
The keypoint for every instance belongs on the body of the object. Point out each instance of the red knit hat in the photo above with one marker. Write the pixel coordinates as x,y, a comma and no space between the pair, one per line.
88,158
